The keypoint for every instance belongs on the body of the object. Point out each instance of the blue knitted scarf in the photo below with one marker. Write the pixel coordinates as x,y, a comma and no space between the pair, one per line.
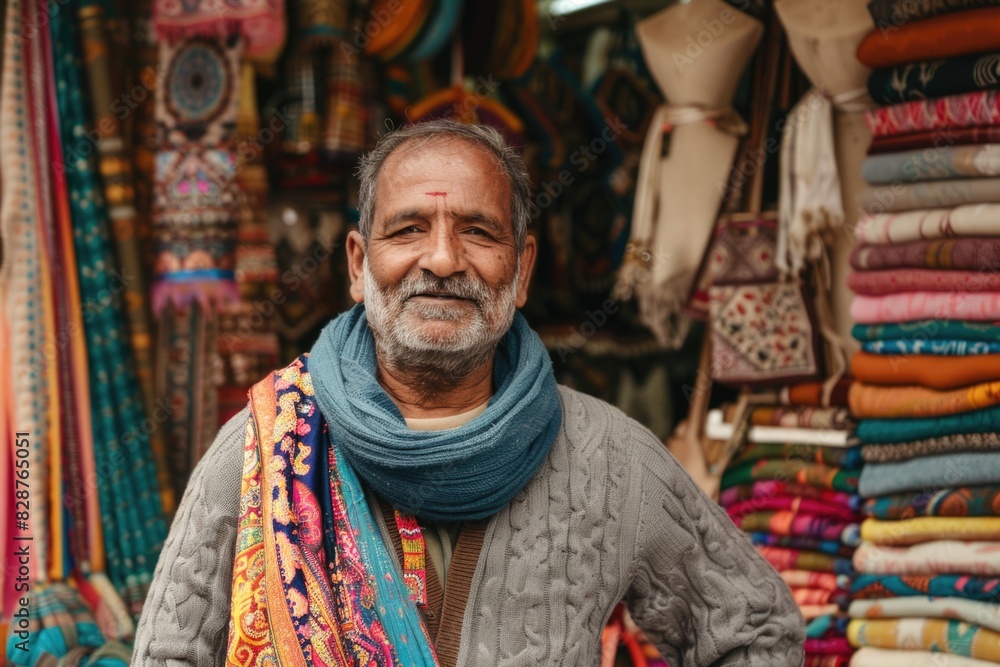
461,474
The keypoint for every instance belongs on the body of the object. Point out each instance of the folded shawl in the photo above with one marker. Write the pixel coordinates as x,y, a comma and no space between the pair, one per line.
929,194
795,559
968,501
895,281
879,657
933,223
820,580
906,346
951,35
774,488
799,471
981,613
904,451
794,504
938,557
965,110
802,416
869,400
948,136
889,14
804,544
939,635
793,524
816,596
932,164
929,528
879,586
913,306
929,472
929,371
935,78
928,329
839,457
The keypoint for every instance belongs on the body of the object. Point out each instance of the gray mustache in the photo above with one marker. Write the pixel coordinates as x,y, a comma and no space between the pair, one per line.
460,288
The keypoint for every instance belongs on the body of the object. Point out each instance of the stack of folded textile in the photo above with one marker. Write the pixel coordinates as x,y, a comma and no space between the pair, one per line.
792,486
927,313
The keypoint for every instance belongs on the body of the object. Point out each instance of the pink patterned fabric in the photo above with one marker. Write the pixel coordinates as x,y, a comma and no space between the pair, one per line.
914,306
956,111
922,280
793,503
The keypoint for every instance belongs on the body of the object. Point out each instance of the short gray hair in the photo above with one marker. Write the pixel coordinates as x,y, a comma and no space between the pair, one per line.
484,136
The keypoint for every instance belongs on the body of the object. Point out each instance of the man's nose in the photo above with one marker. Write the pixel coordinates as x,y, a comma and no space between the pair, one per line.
443,254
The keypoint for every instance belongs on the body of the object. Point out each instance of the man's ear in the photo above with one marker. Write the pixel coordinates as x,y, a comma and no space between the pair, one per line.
356,264
528,256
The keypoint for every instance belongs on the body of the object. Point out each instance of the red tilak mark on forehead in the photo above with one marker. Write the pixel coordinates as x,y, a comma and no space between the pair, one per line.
437,194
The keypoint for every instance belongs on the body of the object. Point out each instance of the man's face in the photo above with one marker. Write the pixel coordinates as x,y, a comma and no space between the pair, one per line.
441,275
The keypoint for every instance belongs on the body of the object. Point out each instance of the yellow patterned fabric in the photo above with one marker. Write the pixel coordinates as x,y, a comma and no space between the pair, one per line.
929,634
929,528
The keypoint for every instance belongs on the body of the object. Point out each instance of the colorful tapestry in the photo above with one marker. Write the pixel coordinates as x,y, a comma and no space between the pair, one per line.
793,524
931,472
922,280
795,504
958,348
930,371
935,557
839,457
261,23
744,253
917,167
929,194
889,14
878,586
904,451
936,139
933,634
805,416
929,330
948,36
928,528
300,516
968,254
829,547
935,78
936,223
913,306
980,613
869,400
774,488
965,110
795,559
969,501
799,471
881,657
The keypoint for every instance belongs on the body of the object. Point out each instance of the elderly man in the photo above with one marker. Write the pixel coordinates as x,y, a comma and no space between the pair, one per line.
418,490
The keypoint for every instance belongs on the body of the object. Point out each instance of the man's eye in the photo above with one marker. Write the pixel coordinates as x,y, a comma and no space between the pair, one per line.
476,231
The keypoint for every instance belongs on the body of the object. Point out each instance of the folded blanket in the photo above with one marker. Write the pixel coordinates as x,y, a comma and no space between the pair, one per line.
966,501
929,330
716,428
792,504
965,110
811,393
793,524
904,451
802,416
815,596
948,36
775,488
837,457
878,586
953,348
894,281
927,370
820,580
934,78
798,471
828,547
913,306
827,627
872,400
936,164
931,223
794,559
985,614
938,557
929,194
929,473
809,611
930,528
935,139
880,657
931,634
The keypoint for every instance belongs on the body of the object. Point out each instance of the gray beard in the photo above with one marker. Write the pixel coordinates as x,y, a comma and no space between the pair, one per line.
436,364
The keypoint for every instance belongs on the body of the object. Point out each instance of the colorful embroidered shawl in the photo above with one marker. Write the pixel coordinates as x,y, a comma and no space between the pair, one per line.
969,501
929,528
934,78
955,348
913,306
932,634
980,613
929,330
934,223
958,111
936,557
874,283
313,582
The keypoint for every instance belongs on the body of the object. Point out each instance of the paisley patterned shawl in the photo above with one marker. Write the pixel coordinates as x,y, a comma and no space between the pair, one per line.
313,582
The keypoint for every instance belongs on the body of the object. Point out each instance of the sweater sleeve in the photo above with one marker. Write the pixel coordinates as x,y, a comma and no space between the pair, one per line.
700,591
185,619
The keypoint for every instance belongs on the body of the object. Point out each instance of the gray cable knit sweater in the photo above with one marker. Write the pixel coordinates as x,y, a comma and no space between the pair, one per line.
611,515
